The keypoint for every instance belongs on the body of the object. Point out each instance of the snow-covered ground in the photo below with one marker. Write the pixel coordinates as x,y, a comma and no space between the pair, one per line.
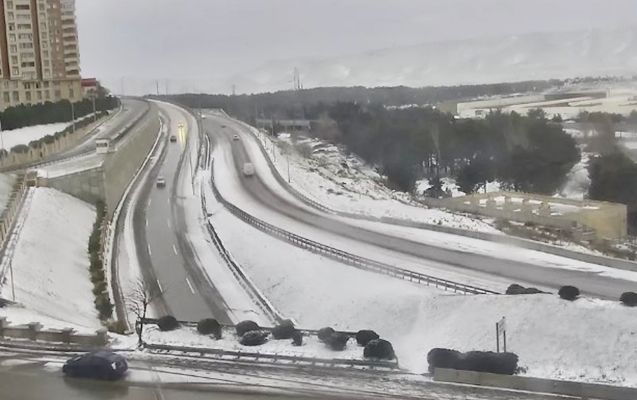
28,134
312,347
345,183
50,263
586,340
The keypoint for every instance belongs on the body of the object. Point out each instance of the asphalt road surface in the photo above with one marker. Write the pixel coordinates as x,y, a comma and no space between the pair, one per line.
186,292
516,271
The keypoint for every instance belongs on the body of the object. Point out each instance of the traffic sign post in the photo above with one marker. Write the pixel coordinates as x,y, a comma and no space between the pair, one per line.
500,329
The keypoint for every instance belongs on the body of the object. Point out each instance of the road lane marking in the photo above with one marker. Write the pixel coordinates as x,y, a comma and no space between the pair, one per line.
168,223
150,253
160,288
190,286
149,201
147,223
174,249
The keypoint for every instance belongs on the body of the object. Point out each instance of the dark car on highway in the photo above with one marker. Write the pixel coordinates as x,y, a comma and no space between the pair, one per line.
103,364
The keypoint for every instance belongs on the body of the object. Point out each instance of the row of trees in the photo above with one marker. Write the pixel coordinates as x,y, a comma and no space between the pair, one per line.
48,113
524,153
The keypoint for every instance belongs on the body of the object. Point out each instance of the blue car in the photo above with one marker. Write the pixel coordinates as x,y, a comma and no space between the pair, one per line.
103,364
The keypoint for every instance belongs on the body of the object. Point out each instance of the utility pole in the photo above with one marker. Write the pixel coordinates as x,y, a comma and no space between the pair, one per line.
157,86
288,158
234,89
93,96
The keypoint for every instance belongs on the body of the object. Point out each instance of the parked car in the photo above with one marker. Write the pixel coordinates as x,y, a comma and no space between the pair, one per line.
161,182
248,169
173,138
235,137
102,364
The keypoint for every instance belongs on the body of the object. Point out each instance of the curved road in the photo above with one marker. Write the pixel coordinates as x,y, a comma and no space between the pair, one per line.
187,292
221,130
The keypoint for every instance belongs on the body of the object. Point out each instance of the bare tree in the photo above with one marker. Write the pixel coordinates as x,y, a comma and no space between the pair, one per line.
140,297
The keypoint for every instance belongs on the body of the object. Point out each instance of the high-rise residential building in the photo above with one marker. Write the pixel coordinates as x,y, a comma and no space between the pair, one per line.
39,52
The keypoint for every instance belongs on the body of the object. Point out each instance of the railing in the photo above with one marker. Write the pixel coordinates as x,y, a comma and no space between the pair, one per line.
258,357
342,256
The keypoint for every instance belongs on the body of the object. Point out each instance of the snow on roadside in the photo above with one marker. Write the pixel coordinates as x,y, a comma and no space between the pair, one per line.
50,263
345,183
586,340
312,347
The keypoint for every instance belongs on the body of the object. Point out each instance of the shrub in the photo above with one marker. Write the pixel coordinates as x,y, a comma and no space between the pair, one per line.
365,336
167,323
442,358
209,326
103,306
514,289
629,299
297,338
246,326
254,338
379,348
325,333
337,341
488,361
568,293
284,330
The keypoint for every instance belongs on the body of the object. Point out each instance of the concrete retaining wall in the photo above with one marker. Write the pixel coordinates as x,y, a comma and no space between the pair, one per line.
567,388
33,331
120,166
87,185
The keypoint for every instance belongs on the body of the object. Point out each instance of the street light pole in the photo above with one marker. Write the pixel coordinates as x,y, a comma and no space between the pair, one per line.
94,111
288,158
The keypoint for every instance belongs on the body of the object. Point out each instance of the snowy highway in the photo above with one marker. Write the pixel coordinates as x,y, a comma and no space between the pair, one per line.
260,196
187,293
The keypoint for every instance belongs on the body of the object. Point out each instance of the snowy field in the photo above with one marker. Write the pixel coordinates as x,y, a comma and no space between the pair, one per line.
346,184
189,337
50,263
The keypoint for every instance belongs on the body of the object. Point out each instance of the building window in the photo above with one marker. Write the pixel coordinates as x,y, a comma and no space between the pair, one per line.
28,96
47,96
16,97
15,71
27,86
9,4
71,93
58,94
10,16
39,95
7,98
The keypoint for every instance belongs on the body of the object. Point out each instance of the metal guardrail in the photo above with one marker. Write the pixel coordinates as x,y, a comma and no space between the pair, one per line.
259,299
233,355
343,256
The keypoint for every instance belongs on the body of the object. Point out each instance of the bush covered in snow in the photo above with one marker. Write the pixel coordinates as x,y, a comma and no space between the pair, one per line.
325,333
568,293
379,348
167,323
364,336
245,326
442,358
209,326
629,299
514,289
479,361
284,330
337,341
254,338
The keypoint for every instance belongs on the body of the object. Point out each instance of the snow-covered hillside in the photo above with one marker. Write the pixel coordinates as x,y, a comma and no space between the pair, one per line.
479,60
50,262
324,173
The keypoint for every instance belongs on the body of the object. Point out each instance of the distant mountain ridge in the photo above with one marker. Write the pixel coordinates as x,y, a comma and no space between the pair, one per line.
480,60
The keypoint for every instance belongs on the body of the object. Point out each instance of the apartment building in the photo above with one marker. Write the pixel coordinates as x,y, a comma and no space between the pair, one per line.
39,52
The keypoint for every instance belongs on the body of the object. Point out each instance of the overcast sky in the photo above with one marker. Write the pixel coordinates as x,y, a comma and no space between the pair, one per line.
209,39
